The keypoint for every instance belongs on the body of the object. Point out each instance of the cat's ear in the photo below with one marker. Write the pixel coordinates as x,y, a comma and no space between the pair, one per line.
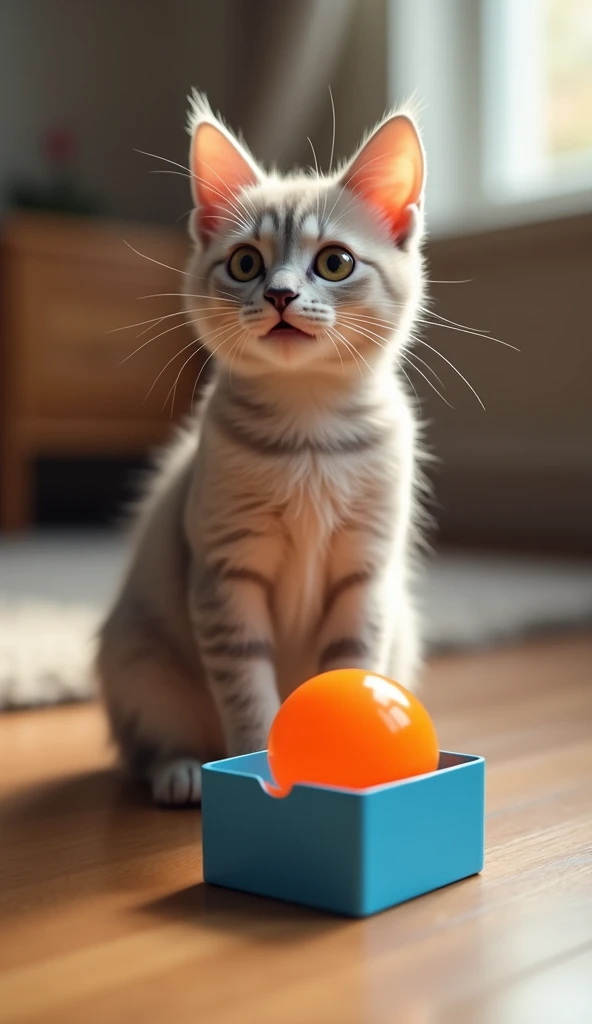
388,173
220,167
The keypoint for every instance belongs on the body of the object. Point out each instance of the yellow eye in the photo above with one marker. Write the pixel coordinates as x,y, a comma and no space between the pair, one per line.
245,264
334,263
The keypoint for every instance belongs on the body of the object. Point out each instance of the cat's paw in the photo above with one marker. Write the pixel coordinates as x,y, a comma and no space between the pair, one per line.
177,783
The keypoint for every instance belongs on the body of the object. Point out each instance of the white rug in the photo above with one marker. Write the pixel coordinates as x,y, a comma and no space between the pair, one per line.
53,589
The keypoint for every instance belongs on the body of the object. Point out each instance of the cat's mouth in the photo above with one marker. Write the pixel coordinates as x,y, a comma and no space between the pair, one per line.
285,331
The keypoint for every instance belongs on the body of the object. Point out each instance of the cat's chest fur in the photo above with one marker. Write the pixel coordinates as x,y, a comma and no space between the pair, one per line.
310,508
302,495
324,520
311,519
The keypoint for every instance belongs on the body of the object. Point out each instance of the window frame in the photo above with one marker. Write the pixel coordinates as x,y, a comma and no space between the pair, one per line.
441,55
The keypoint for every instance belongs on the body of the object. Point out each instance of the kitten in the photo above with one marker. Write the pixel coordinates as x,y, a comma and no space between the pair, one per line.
277,538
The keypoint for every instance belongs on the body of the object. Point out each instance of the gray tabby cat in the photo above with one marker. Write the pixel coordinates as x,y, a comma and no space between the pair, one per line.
277,537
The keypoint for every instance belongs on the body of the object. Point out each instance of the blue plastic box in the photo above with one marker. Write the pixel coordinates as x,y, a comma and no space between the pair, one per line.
353,852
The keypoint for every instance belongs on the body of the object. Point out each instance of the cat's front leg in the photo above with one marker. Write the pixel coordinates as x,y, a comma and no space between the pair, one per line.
234,635
355,628
370,623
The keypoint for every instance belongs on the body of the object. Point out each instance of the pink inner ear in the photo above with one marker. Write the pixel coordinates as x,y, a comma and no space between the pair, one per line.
219,171
388,173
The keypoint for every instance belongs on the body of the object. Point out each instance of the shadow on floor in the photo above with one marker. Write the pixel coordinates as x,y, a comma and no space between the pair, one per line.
263,921
85,834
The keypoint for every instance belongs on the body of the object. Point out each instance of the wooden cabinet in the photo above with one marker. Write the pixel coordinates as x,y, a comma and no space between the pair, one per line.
67,388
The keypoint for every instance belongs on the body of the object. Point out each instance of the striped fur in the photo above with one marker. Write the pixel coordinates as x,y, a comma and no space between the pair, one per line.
277,537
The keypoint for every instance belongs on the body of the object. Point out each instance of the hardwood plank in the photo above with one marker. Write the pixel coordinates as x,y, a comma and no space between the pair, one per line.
560,992
105,917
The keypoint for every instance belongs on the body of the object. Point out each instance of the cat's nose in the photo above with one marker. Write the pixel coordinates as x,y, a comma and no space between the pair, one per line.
280,297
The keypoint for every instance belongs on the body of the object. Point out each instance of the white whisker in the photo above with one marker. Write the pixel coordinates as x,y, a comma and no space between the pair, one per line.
244,342
333,133
332,150
462,328
353,347
166,316
335,346
411,384
152,260
166,170
175,327
343,188
206,361
379,340
366,333
466,280
190,295
233,354
370,319
177,379
332,331
165,159
406,356
238,219
449,325
186,214
431,312
465,330
456,370
427,366
166,366
195,177
153,320
309,140
173,389
248,213
197,322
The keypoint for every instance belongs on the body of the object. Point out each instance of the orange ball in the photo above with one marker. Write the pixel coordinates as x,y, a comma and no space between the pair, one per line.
353,729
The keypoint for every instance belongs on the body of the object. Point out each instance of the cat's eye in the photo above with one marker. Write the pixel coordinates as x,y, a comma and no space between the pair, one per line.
334,263
245,264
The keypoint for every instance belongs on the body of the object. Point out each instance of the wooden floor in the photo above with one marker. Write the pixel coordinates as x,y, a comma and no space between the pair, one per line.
104,917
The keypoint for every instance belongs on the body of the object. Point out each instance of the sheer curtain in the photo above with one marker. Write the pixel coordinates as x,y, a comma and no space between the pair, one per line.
302,42
267,64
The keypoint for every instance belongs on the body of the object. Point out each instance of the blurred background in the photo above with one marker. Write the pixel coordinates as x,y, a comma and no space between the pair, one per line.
89,87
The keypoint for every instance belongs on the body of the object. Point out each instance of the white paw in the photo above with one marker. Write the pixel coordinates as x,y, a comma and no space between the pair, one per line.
177,784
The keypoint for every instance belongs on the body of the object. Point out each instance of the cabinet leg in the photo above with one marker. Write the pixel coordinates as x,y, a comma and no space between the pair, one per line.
15,489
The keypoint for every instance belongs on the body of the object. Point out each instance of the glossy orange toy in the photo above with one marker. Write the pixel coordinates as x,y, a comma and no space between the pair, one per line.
353,729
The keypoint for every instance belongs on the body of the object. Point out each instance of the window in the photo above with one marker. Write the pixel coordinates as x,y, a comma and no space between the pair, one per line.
537,57
504,90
